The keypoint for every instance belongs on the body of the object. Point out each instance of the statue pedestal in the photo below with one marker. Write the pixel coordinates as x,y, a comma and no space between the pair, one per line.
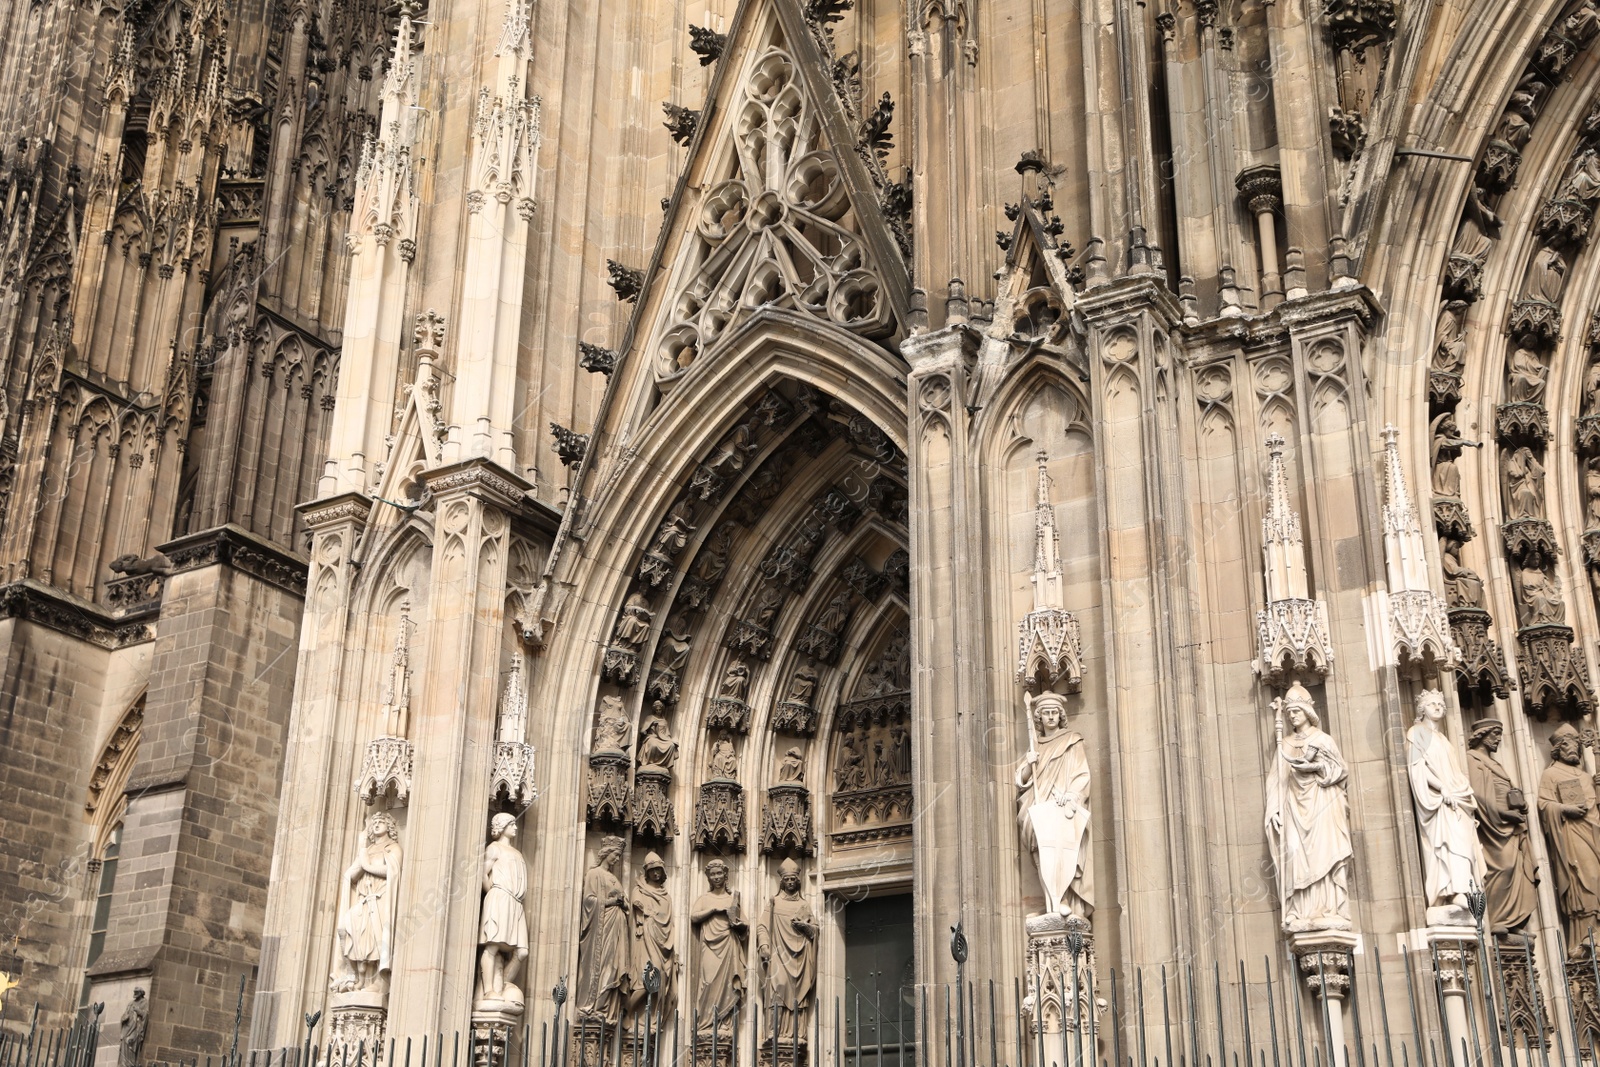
1323,957
1524,1003
493,1024
715,1050
1059,997
356,1024
1454,948
781,1054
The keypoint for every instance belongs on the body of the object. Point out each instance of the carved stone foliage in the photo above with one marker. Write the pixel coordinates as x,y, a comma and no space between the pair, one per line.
1555,680
776,230
872,793
1060,962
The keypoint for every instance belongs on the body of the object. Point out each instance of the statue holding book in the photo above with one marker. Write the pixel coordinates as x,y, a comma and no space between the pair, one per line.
1572,826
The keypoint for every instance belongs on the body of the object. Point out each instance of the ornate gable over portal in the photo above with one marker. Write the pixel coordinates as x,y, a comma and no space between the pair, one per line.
781,207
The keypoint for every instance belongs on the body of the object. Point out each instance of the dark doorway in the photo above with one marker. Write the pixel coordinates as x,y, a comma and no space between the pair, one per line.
879,1009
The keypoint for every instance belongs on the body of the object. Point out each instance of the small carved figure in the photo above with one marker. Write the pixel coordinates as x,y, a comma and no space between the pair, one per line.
656,747
801,686
786,941
734,452
1479,228
503,928
1462,585
721,929
1591,389
367,895
673,650
1450,337
724,761
605,977
1514,129
633,625
1524,485
674,532
1540,597
135,1024
1591,492
735,681
1510,883
1584,182
712,562
1572,827
611,732
792,768
768,601
1447,443
901,741
850,772
836,613
882,769
1452,861
1053,809
1308,819
1526,374
653,928
1548,277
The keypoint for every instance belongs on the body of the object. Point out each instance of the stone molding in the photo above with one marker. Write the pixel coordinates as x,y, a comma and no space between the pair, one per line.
243,551
53,609
479,477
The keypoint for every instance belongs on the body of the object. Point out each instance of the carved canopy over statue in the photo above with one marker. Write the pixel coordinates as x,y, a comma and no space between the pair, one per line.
1308,819
1053,808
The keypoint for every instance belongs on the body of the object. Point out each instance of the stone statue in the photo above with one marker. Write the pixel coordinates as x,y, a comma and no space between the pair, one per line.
850,771
1524,485
1450,337
1539,596
611,732
1526,375
656,747
901,740
604,940
1452,862
1308,819
673,650
712,562
633,625
802,686
786,941
1584,182
367,896
674,532
135,1024
652,927
1509,883
1572,827
734,451
1591,492
1053,799
721,930
882,768
1548,277
724,761
503,928
1479,228
735,681
1447,444
836,613
1462,585
792,767
1591,389
768,601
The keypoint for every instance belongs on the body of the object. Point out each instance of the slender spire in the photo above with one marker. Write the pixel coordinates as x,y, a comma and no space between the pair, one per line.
1419,623
1282,546
514,704
1046,546
1292,629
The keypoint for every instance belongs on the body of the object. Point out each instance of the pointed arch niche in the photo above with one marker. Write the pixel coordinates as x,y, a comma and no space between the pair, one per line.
767,598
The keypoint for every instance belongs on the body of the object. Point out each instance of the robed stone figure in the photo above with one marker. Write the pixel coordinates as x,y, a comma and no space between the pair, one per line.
135,1024
786,941
653,930
1308,819
503,921
1572,826
1509,880
721,931
605,938
367,895
1053,809
1452,862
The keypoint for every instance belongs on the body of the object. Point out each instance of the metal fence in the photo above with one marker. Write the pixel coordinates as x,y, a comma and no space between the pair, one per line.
1391,1010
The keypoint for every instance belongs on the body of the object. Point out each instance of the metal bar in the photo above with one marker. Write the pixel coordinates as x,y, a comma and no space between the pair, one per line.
1327,1013
1355,1012
1116,1021
1166,1017
1272,1012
